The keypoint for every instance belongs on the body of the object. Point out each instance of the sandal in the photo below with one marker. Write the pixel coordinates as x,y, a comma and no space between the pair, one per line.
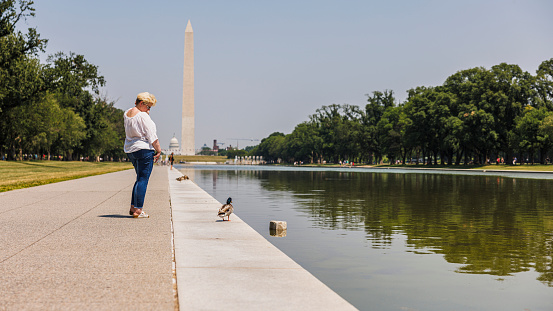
142,215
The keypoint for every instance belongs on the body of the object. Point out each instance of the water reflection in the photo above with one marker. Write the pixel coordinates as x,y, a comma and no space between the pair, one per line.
488,225
376,237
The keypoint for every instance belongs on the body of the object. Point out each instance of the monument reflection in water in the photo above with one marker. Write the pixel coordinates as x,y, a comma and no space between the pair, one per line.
405,241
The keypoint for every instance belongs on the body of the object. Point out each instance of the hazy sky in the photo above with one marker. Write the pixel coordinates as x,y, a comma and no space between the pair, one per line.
266,66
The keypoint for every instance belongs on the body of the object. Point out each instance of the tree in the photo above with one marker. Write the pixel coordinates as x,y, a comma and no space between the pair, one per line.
304,142
20,70
271,148
207,151
544,83
478,134
532,134
38,126
371,140
76,83
19,89
420,132
105,131
45,108
233,153
476,114
72,75
498,96
391,130
546,131
74,80
512,91
71,134
16,49
326,119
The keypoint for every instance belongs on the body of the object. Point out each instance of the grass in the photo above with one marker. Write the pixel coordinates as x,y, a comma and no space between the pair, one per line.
24,174
524,167
200,158
518,167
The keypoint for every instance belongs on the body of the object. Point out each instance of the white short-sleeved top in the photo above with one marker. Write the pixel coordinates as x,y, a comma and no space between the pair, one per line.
140,132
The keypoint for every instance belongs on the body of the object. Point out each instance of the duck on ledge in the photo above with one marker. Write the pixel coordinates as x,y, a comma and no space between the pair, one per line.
226,210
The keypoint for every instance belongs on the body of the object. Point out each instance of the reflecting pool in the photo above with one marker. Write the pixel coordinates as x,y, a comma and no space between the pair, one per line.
396,240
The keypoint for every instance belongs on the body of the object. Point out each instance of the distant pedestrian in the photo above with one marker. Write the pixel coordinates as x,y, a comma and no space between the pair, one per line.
142,147
171,159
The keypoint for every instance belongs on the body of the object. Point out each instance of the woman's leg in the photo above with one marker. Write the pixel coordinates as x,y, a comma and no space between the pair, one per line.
134,163
144,164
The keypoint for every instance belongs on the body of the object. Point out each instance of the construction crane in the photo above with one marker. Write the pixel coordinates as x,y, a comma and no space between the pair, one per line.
237,139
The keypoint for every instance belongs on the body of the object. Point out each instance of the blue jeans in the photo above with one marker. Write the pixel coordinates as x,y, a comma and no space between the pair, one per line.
143,162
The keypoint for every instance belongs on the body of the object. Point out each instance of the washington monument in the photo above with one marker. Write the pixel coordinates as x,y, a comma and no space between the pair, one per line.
187,138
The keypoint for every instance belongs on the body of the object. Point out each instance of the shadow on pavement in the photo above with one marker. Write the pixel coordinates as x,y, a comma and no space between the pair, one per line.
116,216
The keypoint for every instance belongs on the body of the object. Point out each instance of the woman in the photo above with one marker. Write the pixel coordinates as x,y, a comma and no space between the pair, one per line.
171,159
142,147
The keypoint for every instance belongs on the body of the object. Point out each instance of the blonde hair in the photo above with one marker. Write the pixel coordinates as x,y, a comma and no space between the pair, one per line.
147,98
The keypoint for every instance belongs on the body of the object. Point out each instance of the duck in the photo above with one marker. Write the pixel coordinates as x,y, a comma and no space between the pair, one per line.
226,210
183,177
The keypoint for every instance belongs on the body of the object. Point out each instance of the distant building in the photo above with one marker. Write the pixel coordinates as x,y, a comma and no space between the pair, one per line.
174,146
215,147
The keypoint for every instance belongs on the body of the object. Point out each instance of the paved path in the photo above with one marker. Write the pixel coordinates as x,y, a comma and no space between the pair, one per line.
72,246
225,265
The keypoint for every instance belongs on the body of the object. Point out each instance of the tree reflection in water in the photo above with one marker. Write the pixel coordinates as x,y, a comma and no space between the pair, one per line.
487,224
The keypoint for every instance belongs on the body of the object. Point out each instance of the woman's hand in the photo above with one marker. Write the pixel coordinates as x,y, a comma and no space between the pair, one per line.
157,147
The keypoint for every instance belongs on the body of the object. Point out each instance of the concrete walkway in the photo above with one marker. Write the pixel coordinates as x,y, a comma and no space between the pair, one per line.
72,246
225,265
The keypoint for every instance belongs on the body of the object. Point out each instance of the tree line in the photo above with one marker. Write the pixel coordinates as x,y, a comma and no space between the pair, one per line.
477,116
51,108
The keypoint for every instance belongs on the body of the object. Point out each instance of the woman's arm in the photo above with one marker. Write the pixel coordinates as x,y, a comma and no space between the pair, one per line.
157,147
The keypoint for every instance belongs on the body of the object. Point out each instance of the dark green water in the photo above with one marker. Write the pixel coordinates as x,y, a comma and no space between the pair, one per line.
404,240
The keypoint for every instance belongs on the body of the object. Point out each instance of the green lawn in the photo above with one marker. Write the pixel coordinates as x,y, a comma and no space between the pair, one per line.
200,158
524,167
24,174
